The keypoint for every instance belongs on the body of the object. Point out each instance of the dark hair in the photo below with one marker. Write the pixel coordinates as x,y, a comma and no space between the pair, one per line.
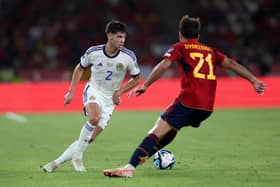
189,27
115,26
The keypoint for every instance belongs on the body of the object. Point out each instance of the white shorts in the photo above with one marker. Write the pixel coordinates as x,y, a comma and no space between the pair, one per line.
106,105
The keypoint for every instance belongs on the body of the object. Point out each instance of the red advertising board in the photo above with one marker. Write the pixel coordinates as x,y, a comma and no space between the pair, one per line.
48,97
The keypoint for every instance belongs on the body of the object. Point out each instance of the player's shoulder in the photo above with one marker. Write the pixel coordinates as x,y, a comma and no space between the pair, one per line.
174,47
94,49
129,53
177,45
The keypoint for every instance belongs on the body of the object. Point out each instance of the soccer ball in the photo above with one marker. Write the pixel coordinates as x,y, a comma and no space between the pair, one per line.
164,159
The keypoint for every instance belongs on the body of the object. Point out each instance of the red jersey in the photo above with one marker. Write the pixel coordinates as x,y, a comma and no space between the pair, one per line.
197,63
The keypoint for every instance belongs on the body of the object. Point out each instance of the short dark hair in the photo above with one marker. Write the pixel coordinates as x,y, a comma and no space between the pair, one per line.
189,27
115,26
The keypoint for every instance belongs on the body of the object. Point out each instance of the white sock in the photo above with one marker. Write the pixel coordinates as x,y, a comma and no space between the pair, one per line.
68,153
83,141
77,148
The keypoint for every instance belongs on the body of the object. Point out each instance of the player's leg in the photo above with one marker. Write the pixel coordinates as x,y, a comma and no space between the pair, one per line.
93,115
165,140
96,132
163,132
89,129
152,142
157,130
143,151
146,147
193,117
98,116
65,156
76,149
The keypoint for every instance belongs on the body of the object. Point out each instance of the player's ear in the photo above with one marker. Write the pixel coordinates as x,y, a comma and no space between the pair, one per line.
109,36
180,36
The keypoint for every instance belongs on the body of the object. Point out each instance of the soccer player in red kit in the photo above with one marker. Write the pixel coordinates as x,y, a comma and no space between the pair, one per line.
197,63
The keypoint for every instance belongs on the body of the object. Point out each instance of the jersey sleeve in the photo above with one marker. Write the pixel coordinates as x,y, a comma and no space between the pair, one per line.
219,57
84,60
133,67
173,53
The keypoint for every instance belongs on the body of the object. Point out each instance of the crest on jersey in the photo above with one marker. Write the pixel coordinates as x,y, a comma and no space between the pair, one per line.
119,66
91,98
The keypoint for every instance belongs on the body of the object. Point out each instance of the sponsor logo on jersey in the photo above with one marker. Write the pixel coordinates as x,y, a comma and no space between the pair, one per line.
109,64
119,66
98,65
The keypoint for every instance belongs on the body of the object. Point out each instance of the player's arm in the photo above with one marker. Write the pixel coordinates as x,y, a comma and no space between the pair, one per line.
230,64
128,86
156,73
76,77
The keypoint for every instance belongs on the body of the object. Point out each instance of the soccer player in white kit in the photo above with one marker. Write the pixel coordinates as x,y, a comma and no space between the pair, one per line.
109,64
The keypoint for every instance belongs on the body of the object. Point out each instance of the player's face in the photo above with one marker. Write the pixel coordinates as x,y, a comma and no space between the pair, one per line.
117,40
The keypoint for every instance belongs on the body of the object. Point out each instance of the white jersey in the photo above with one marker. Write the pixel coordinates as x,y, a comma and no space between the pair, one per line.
108,73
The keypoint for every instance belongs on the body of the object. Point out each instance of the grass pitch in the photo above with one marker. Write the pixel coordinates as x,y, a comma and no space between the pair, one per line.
232,148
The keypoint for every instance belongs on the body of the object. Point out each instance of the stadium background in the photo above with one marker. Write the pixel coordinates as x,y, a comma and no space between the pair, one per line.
41,42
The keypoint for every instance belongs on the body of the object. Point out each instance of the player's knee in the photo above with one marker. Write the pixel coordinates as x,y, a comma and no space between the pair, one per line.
94,120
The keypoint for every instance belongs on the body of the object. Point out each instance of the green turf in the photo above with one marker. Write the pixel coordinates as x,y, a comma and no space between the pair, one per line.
232,148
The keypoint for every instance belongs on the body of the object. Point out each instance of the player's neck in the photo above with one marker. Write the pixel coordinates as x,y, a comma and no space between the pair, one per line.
187,39
110,50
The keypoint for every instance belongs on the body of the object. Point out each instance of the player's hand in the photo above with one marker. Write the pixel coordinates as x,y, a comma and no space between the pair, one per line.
139,91
116,97
68,97
259,87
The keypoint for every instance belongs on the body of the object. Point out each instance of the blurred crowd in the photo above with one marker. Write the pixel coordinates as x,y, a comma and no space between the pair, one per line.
43,40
